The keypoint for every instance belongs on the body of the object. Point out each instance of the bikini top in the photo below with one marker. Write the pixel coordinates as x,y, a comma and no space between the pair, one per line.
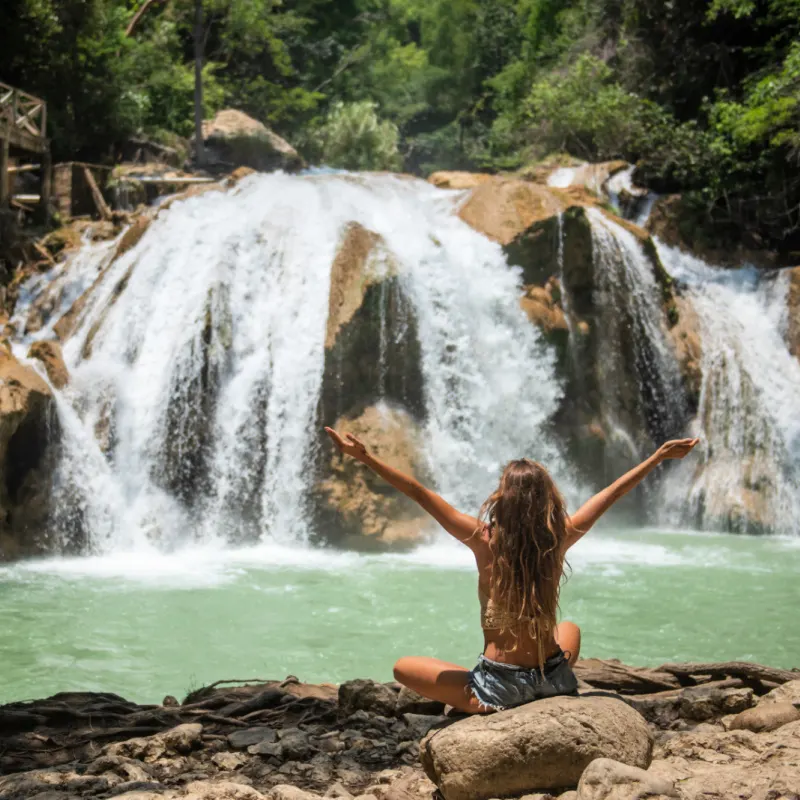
494,618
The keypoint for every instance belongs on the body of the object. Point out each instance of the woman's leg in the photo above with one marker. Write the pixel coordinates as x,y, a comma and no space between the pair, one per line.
438,680
568,638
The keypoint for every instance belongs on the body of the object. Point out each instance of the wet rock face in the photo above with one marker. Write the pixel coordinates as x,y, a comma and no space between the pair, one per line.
28,440
355,506
793,329
372,351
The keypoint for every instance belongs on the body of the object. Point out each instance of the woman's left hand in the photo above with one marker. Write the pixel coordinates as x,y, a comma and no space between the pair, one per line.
349,444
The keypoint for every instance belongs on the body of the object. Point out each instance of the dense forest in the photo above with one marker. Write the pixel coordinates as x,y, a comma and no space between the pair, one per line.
704,95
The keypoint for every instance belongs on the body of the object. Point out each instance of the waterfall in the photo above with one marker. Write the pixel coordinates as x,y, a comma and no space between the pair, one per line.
198,359
633,341
749,469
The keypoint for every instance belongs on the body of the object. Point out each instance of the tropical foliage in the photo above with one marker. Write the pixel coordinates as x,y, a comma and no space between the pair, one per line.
703,94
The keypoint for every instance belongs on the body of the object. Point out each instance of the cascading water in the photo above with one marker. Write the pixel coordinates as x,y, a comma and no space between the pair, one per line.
198,360
633,341
748,473
748,423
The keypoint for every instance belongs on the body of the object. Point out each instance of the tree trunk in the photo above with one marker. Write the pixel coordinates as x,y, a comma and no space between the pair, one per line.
200,153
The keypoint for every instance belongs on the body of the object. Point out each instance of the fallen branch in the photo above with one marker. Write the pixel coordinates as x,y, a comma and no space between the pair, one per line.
735,669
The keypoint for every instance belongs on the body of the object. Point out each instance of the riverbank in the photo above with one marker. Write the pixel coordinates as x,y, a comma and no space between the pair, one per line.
709,727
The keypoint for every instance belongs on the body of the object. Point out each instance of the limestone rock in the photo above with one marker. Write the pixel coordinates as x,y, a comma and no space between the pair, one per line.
221,790
235,138
502,208
49,353
367,695
458,180
181,740
359,503
542,310
241,739
740,764
287,792
793,299
372,350
605,779
685,336
27,431
785,693
541,745
766,717
353,270
410,702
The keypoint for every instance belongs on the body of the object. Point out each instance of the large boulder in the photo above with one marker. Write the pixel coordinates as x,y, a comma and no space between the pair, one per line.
502,208
354,502
234,139
372,352
541,745
27,431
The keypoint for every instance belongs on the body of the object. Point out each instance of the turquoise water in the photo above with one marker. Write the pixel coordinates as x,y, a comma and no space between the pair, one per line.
146,624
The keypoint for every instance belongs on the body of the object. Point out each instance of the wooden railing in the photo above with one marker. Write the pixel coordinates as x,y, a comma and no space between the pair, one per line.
23,118
23,125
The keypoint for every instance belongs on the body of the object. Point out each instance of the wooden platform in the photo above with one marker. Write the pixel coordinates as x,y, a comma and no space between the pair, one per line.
23,126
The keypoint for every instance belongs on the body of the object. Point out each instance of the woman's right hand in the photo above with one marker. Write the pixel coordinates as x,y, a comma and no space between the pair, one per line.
678,448
349,444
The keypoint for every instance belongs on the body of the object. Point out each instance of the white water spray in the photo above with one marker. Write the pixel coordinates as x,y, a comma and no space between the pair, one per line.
215,322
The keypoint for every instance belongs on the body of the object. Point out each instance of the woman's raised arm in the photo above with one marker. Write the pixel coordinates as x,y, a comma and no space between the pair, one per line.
593,509
462,526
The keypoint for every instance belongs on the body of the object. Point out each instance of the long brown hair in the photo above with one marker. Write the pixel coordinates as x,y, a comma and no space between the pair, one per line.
528,523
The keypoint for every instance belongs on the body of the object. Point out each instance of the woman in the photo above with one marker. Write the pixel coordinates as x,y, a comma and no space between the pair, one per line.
520,540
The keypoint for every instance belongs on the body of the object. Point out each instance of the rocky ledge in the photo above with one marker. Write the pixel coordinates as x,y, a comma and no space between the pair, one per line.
685,731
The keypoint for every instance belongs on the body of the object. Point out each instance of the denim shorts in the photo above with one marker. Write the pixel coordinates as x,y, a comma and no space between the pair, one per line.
499,686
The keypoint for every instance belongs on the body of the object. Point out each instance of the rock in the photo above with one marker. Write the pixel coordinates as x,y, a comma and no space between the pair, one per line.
458,180
694,704
354,269
735,764
605,779
236,139
271,749
286,792
239,174
502,208
295,744
241,739
410,702
372,351
133,234
127,768
49,353
793,302
181,739
229,761
544,312
359,503
541,745
28,429
420,724
766,717
367,695
685,336
221,790
788,692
